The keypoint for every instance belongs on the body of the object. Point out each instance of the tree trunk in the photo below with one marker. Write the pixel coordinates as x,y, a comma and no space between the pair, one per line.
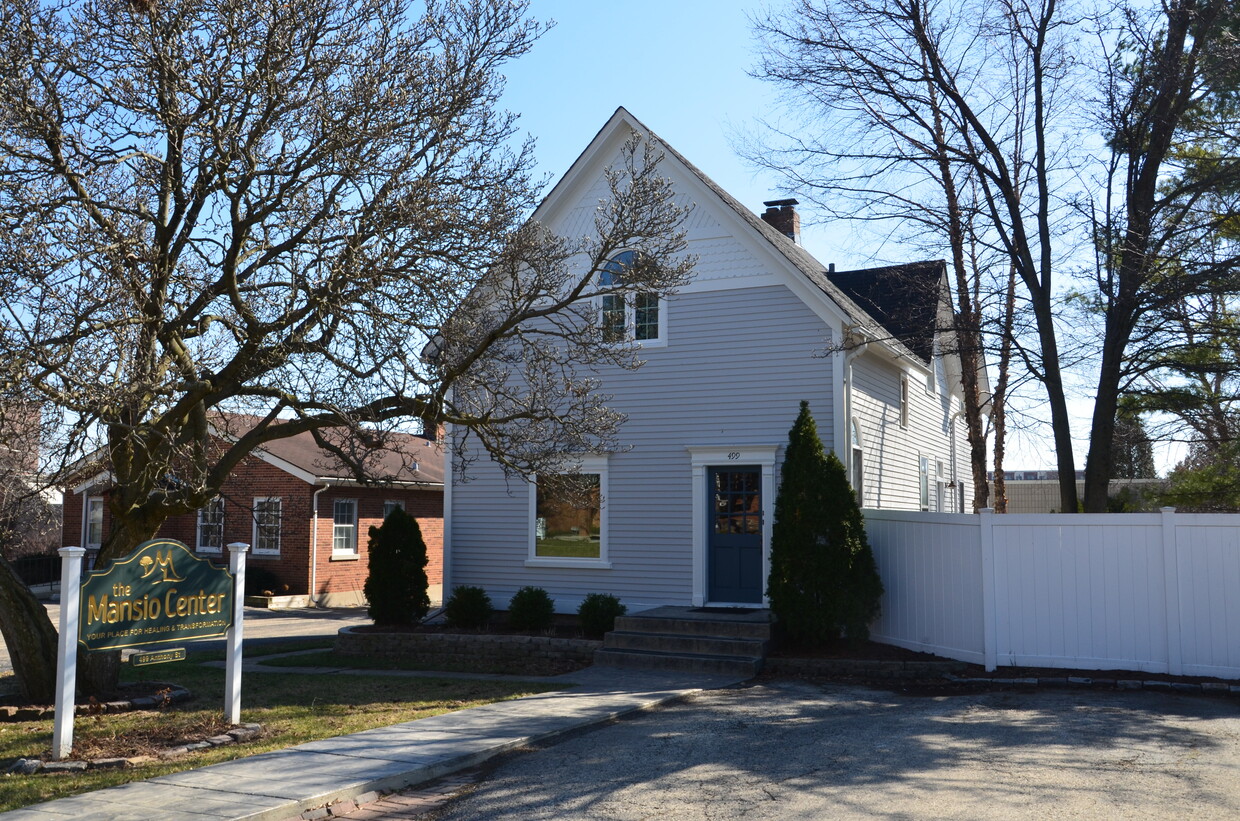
99,671
30,637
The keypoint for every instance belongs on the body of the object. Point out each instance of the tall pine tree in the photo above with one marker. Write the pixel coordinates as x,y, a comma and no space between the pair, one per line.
823,578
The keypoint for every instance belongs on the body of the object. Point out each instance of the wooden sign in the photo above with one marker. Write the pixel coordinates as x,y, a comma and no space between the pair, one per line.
159,593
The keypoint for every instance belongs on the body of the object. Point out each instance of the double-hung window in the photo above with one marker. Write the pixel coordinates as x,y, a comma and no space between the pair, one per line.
629,315
92,525
569,516
267,525
344,526
211,526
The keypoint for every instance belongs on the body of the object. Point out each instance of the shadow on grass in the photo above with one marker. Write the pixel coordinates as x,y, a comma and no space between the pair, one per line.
293,709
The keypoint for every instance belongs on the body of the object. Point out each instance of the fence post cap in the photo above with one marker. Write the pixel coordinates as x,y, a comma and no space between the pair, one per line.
70,552
238,547
1166,510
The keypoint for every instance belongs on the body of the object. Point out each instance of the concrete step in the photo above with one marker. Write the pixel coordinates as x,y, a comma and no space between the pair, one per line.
695,627
689,663
685,644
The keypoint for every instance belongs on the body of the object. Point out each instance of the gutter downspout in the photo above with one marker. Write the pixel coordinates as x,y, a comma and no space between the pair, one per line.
314,548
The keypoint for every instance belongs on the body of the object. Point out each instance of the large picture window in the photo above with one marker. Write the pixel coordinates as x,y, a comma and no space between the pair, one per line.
628,316
211,526
267,525
570,516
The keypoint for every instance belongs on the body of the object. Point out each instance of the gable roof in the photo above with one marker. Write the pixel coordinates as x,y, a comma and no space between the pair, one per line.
408,459
864,306
405,458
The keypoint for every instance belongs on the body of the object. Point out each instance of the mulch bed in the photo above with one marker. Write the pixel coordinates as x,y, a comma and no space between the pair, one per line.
564,627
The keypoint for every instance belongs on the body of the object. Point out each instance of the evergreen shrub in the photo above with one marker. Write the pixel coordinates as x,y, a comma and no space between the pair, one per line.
823,578
531,609
468,607
598,614
396,583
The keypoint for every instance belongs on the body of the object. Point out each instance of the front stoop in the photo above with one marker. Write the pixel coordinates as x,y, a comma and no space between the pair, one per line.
687,640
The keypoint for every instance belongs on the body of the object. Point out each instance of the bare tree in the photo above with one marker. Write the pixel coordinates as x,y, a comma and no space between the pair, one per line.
277,209
909,120
918,93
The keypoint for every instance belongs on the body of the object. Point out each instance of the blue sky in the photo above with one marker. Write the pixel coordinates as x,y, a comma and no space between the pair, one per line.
679,66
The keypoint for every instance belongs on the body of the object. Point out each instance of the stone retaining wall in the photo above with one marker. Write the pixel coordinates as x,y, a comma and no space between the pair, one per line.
516,655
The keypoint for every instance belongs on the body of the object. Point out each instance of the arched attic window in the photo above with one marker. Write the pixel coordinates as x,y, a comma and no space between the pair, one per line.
624,316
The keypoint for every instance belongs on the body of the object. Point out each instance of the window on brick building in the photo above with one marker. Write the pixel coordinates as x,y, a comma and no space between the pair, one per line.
211,526
344,526
390,505
267,525
92,526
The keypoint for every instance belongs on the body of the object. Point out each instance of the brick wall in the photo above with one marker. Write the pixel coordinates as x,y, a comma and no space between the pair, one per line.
337,573
514,655
338,578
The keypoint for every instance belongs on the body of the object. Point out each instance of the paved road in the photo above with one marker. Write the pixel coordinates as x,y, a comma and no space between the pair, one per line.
262,626
784,750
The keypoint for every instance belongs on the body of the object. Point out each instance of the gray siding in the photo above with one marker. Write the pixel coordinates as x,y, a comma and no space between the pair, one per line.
892,451
735,368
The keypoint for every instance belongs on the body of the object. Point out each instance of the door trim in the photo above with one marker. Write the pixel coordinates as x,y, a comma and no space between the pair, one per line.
703,456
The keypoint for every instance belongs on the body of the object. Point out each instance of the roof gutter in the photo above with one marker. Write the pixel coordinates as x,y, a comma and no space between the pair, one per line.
341,481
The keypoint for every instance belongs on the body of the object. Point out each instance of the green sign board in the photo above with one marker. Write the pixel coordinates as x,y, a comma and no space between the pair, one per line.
159,593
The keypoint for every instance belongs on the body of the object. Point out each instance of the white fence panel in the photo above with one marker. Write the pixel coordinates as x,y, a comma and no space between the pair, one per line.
931,569
1147,592
1209,594
1080,591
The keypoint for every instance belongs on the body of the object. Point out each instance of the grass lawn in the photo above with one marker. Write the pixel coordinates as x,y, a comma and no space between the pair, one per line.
292,710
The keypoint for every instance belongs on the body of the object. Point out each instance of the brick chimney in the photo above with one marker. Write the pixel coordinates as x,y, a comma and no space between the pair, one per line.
783,217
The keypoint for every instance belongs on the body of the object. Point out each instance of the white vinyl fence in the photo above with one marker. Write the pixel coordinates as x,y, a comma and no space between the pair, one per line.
1156,592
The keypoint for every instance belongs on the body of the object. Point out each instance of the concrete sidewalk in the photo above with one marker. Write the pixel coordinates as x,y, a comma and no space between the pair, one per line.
282,784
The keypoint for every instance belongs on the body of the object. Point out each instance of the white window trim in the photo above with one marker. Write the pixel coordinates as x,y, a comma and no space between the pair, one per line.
353,551
86,542
589,464
923,482
198,545
856,465
904,401
279,534
700,458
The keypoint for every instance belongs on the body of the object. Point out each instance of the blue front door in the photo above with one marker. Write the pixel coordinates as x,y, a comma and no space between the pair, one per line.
734,551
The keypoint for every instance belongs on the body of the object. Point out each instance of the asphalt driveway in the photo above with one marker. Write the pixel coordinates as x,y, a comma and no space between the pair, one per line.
792,750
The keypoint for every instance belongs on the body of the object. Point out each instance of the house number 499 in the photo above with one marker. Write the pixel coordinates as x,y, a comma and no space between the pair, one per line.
734,455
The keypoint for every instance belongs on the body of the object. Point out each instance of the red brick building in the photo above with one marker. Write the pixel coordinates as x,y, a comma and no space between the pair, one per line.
305,519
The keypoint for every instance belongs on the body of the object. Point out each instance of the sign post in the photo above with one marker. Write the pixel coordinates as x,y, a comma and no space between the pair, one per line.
159,593
66,651
232,664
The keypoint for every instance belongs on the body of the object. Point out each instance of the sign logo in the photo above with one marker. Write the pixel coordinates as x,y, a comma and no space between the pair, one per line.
159,593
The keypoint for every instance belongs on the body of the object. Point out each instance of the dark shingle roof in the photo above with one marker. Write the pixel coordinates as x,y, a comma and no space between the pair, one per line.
904,299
